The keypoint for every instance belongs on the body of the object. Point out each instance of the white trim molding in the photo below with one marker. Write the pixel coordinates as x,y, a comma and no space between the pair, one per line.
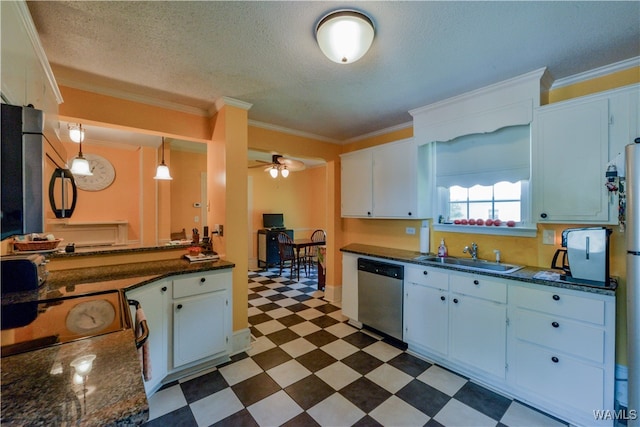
597,72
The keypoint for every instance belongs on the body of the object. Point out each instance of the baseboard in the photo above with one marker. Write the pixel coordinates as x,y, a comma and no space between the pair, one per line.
622,395
241,341
333,293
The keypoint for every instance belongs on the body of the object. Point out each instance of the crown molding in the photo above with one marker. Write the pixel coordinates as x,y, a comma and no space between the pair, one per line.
597,72
232,102
379,132
128,96
30,28
288,131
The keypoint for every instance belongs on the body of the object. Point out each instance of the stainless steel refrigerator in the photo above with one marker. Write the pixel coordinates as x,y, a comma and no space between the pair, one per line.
632,152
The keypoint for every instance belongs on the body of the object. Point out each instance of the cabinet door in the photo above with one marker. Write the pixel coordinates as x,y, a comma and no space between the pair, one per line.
200,327
478,335
350,285
570,154
155,303
395,180
355,183
426,317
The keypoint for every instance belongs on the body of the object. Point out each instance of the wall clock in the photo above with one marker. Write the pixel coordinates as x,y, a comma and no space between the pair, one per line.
90,317
103,174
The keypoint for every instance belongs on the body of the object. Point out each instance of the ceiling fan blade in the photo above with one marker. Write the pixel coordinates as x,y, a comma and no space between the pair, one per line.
291,164
260,163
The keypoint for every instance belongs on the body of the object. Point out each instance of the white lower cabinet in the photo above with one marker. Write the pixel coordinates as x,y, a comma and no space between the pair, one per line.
201,316
189,318
154,299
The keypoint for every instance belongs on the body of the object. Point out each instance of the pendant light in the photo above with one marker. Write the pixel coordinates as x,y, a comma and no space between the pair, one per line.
345,35
79,166
162,172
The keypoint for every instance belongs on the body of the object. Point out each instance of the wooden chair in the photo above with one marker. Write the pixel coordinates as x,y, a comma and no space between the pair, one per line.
311,254
286,252
180,235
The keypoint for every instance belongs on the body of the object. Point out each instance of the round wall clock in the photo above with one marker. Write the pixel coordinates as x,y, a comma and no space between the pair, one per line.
89,317
103,174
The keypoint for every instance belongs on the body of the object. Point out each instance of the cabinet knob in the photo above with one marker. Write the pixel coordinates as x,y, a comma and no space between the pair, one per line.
555,324
164,289
425,272
442,298
202,280
554,359
368,213
556,297
455,300
409,214
179,306
543,215
476,282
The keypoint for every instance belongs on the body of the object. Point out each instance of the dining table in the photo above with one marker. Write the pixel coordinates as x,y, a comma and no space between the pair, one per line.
299,244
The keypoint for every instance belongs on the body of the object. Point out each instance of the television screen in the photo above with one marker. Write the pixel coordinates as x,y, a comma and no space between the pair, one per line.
272,220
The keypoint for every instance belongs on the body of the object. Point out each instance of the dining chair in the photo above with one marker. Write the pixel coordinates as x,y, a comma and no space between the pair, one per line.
311,254
286,252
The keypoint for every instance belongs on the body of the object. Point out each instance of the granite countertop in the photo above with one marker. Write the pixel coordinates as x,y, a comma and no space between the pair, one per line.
38,387
526,274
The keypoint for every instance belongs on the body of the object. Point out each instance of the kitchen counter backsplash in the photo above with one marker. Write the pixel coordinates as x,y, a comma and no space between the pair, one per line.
526,274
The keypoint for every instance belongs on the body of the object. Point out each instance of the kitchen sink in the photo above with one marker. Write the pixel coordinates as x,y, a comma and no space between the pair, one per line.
470,264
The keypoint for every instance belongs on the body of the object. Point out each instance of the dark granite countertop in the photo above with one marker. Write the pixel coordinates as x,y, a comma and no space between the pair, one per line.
525,274
38,387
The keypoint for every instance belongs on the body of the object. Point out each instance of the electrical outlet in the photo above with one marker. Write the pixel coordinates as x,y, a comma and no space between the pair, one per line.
549,237
196,218
410,230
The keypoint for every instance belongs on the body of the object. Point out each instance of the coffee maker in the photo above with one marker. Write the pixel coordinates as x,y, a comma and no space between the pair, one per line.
585,257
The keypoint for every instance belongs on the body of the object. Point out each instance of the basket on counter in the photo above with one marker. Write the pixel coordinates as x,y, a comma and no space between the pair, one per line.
36,245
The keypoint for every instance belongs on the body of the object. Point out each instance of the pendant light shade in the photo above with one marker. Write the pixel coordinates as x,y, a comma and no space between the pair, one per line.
273,172
162,171
344,36
284,172
79,165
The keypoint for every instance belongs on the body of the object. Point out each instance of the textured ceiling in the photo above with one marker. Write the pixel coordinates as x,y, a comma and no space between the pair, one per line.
264,53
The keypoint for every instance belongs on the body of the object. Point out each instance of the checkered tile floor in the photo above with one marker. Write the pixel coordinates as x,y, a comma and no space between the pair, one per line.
308,367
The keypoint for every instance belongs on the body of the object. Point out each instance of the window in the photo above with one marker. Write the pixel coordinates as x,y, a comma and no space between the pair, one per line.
498,201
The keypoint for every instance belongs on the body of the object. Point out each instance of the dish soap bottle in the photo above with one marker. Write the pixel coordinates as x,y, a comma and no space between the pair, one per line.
442,249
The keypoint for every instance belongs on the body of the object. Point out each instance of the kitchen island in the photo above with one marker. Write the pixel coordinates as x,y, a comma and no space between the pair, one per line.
41,387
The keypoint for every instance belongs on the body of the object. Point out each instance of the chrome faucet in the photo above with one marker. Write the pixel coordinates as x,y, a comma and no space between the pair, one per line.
473,250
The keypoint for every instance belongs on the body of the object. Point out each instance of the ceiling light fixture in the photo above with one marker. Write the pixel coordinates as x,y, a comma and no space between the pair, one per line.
282,169
345,35
162,172
76,133
79,165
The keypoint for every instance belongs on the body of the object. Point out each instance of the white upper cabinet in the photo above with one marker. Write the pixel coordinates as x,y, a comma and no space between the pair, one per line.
383,182
573,142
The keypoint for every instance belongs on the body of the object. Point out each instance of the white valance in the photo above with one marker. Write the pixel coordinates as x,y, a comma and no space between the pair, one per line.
485,159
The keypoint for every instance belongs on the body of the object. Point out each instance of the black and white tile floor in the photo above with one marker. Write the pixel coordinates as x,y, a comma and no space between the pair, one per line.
308,367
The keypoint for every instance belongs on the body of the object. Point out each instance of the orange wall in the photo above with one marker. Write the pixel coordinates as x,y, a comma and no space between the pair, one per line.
186,170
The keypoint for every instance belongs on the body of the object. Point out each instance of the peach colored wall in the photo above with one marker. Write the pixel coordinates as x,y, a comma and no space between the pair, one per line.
119,201
301,197
186,170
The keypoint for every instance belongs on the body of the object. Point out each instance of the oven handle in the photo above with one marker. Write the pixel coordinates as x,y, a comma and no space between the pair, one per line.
143,325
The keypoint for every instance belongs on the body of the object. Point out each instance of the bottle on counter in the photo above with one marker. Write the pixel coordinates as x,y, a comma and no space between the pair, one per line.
442,249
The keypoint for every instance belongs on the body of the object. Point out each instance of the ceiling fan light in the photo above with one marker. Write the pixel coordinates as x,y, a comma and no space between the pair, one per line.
80,166
76,133
344,36
273,172
162,173
284,172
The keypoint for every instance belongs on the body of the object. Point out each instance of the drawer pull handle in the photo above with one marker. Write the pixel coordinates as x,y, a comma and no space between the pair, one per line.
442,298
164,289
179,306
455,300
554,359
202,280
556,297
476,282
425,272
555,324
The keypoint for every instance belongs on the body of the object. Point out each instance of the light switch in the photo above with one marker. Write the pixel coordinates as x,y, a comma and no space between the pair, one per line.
548,237
196,218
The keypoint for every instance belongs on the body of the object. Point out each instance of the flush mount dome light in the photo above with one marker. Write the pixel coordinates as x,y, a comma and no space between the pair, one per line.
344,36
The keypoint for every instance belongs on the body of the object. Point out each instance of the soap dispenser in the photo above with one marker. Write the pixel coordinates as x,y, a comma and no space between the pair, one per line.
442,249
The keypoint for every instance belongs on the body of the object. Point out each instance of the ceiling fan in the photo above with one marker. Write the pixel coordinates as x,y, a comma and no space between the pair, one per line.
280,166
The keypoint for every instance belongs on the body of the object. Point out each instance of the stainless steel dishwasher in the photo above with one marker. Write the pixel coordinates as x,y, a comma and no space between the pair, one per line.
380,296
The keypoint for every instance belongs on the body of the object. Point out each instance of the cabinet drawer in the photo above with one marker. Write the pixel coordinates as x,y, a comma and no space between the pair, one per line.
560,304
563,379
431,277
563,335
195,284
479,286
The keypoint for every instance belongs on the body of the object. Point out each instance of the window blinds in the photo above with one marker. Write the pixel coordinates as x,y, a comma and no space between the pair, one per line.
484,159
